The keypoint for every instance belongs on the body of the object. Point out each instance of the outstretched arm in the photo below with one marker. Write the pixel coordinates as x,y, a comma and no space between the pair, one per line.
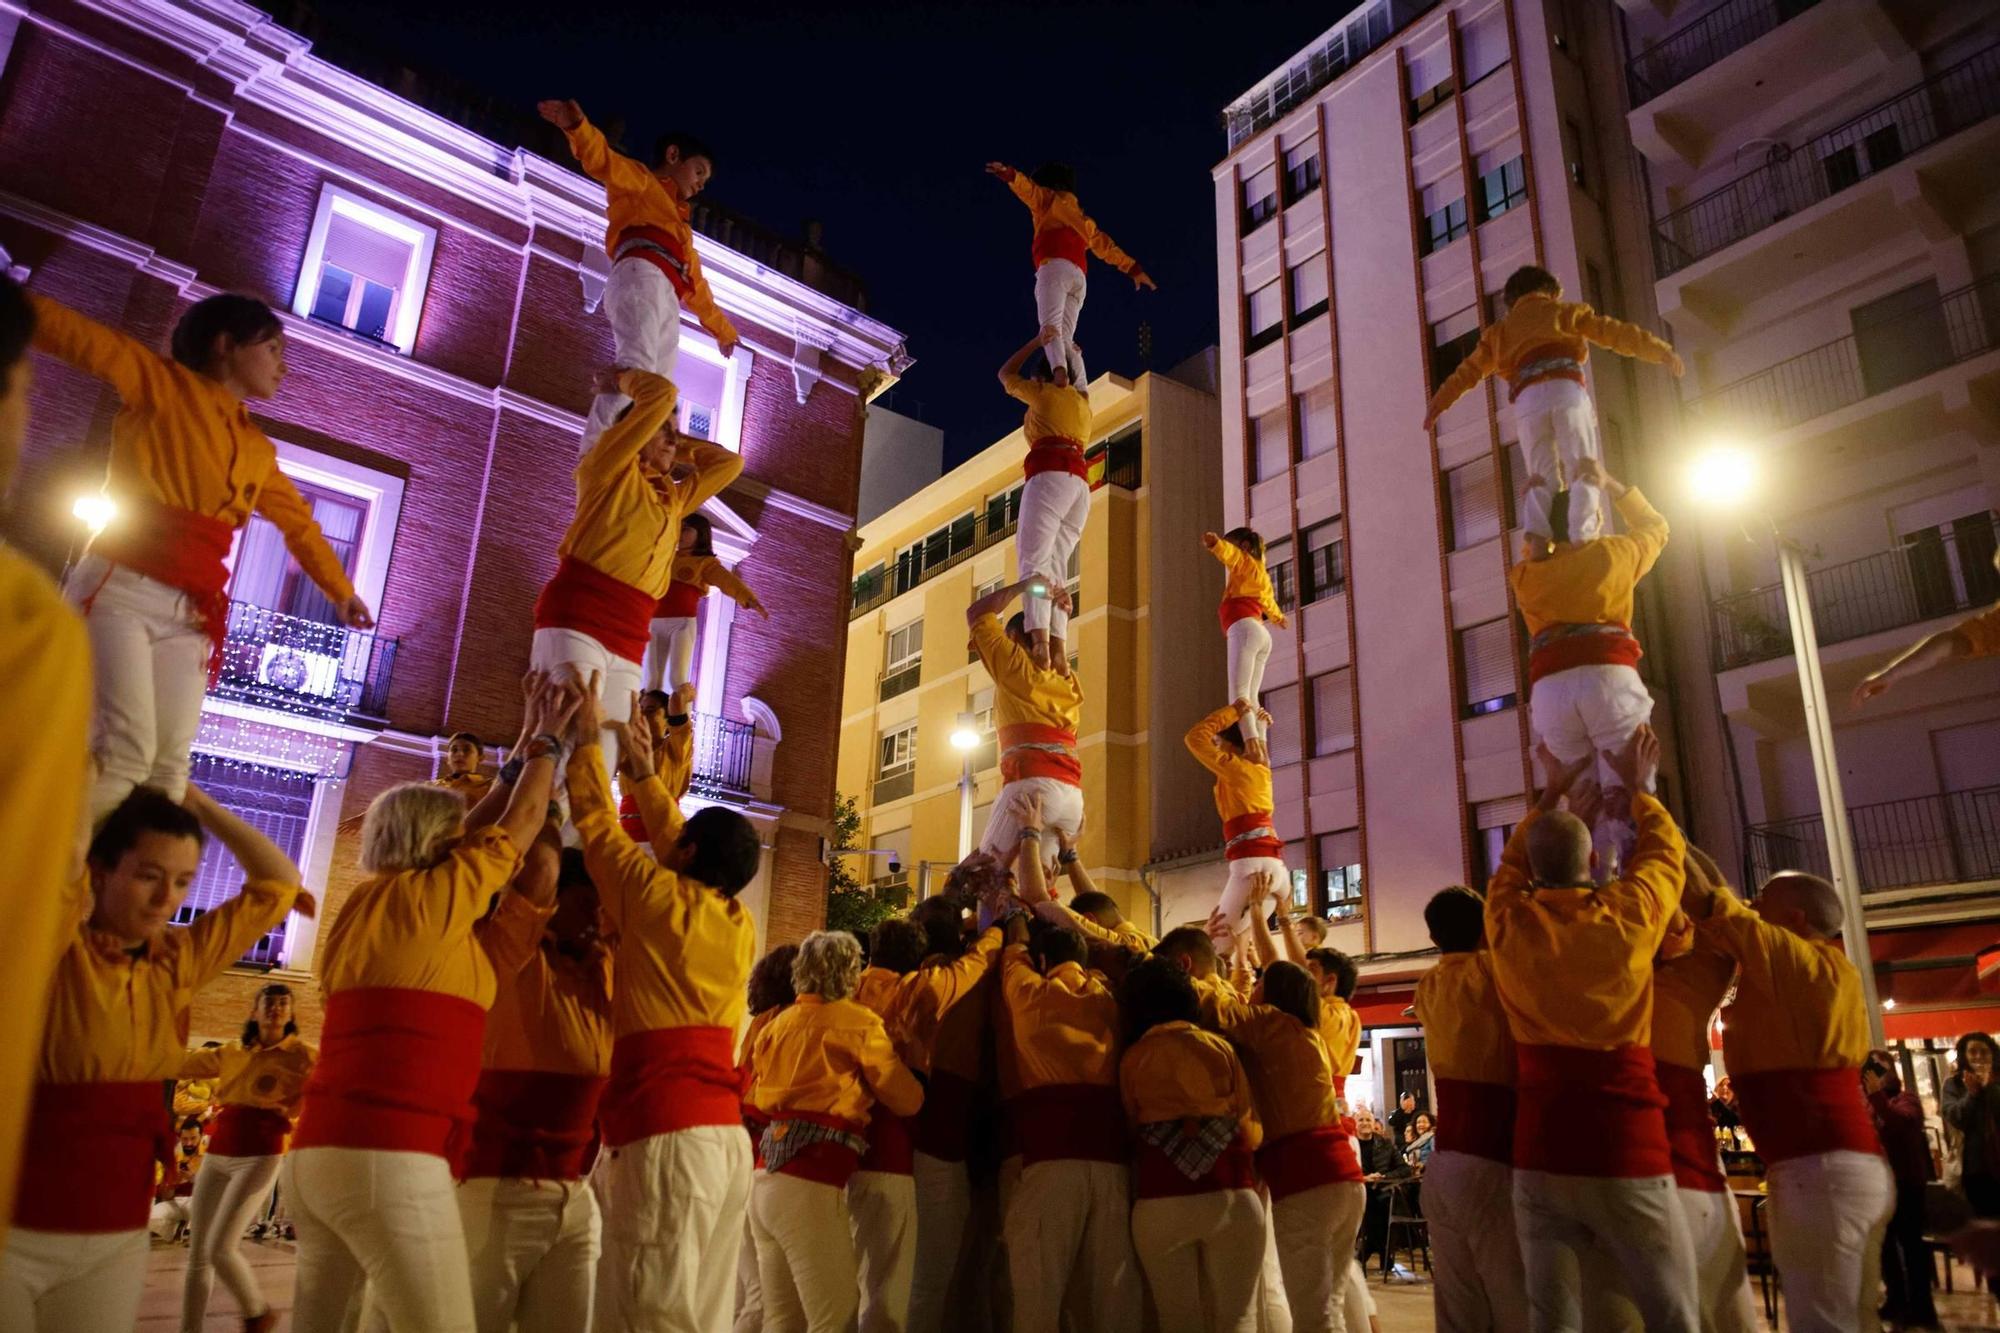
138,374
1481,361
720,576
1625,339
1933,651
1029,193
1201,737
993,603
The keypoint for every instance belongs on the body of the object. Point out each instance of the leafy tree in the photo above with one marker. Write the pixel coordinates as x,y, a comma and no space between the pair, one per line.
851,905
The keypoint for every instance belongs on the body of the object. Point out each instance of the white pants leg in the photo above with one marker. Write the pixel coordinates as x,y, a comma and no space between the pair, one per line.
749,1286
1581,713
1203,1255
1249,651
228,1191
1242,875
1828,1213
1726,1303
62,1282
1357,1303
673,1221
1059,293
1054,508
554,649
169,1215
1557,426
1274,1310
670,653
1069,1246
882,1210
1475,1256
1062,808
1637,1223
386,1219
805,1256
1068,537
532,1246
1315,1231
944,1203
645,315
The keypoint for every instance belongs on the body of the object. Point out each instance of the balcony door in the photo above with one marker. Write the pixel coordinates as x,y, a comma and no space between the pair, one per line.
267,576
1902,336
1948,545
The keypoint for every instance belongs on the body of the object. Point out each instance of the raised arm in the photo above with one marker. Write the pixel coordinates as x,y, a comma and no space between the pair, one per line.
993,603
1481,361
714,467
1618,336
1029,193
528,803
1072,865
1264,898
223,934
618,447
593,151
279,500
659,808
135,372
1976,637
1202,742
1010,373
886,1075
1030,876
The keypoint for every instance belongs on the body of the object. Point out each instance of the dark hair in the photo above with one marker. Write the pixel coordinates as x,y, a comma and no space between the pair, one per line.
1052,946
146,810
1338,966
250,1029
466,736
688,145
771,979
943,922
1456,919
704,534
1091,903
1247,538
1155,991
1232,734
1017,624
17,324
192,1122
1291,989
657,698
898,944
1967,1040
1527,280
242,319
725,850
1189,942
571,869
1054,176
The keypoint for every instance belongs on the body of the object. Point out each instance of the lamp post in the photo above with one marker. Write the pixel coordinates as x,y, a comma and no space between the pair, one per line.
965,739
1727,478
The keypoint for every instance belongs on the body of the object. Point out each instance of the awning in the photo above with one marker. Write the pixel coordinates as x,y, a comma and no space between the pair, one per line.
1932,975
1384,1009
1901,1024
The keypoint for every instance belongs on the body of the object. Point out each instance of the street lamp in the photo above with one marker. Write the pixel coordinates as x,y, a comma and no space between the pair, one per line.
1727,478
965,739
96,510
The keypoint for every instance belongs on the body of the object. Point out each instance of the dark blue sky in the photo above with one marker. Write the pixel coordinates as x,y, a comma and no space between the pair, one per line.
877,120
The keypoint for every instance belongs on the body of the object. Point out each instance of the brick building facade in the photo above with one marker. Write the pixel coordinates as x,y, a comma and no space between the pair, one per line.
439,293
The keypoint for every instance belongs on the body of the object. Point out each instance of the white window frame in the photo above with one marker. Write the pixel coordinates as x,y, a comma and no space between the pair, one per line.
696,341
907,748
420,237
382,493
892,664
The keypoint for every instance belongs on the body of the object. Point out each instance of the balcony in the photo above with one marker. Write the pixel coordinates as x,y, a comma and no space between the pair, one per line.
900,680
1687,51
894,786
294,665
1943,571
1366,27
722,753
1953,838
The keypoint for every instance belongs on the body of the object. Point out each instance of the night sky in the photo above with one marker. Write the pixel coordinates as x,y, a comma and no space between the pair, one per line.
877,120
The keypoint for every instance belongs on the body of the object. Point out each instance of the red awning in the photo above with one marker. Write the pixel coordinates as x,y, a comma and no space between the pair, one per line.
1384,1009
1945,1024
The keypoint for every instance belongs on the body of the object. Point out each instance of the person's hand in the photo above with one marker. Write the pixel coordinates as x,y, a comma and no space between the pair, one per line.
1257,751
1675,365
1065,841
354,613
1047,334
1871,1082
1872,686
557,705
1638,761
587,723
1281,621
1591,470
1974,1080
635,744
757,606
727,349
305,904
1059,594
1000,169
1016,931
163,1191
1558,777
1535,479
197,803
1264,716
1027,811
605,379
1142,281
561,113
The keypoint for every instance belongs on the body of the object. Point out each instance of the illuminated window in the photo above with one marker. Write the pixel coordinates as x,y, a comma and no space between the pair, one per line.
365,269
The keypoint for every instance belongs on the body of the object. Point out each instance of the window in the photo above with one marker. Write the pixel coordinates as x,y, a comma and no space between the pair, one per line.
1333,712
1431,83
921,559
267,576
1593,288
988,754
1308,289
277,802
1260,198
869,582
1444,220
1902,336
1502,187
1514,479
1472,503
1003,511
1452,340
1317,420
1340,874
710,403
1284,581
889,847
365,269
1493,822
1301,170
1574,150
1295,857
1270,449
1265,316
1282,736
896,764
1873,152
1486,667
1482,45
906,645
1326,570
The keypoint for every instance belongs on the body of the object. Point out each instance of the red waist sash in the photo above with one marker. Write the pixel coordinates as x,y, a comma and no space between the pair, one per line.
1022,754
1240,608
1561,652
589,601
943,1127
682,599
1154,1175
530,1125
1800,1112
671,1079
1053,453
1590,1113
1690,1129
1232,829
826,1162
396,1071
629,820
1308,1159
1059,242
1475,1118
181,549
91,1148
889,1145
1563,364
1070,1122
248,1131
660,249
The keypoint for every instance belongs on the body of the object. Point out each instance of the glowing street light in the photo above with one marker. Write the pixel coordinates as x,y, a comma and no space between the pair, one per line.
96,510
965,739
1724,477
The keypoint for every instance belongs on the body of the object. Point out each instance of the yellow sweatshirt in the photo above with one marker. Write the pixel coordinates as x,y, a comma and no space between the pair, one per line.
1179,1072
1241,787
1247,582
1053,413
1591,583
829,1058
1063,230
1538,327
271,1078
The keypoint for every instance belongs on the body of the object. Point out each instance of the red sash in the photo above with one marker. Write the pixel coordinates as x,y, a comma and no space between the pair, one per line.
682,599
1059,242
1801,1112
1070,1122
1547,352
825,1162
248,1131
1016,764
889,1146
181,549
942,1128
531,1125
90,1150
1240,608
1690,1129
1590,1113
628,819
1054,453
1308,1159
1476,1119
673,263
589,601
671,1079
1233,850
1154,1175
1575,650
396,1071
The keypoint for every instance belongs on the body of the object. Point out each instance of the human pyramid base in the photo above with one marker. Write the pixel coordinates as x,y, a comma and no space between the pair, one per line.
557,1090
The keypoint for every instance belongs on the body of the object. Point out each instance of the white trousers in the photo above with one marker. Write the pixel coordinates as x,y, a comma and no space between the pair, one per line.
1828,1213
882,1212
228,1191
1237,889
1059,292
151,671
645,315
1359,1302
944,1204
1062,808
618,677
749,1285
1475,1255
1069,1247
1579,714
1249,651
670,654
1203,1255
673,1219
1054,508
381,1223
1563,1221
1726,1303
1315,1230
1557,427
1274,1313
805,1255
62,1282
532,1246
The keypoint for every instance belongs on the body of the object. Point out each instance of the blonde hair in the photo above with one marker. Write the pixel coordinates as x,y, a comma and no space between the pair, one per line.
828,965
410,827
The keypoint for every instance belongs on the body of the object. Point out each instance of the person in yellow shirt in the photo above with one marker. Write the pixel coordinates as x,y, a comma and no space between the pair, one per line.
462,770
1975,636
820,1066
670,654
1055,499
882,1193
188,467
1036,711
260,1080
1539,348
115,1034
1574,966
768,994
1250,843
667,723
1248,601
1795,1039
1468,1203
654,268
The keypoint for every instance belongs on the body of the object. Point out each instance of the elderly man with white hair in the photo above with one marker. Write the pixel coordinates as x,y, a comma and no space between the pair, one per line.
1795,1042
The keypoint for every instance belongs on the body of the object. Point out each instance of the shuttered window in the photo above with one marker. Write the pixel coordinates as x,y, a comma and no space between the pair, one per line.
1472,499
1333,712
1317,432
1493,822
1340,874
1283,734
1269,445
1486,665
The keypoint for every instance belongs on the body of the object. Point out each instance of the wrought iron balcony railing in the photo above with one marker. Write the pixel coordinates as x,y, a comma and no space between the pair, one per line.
722,754
1688,50
1953,838
302,666
1796,178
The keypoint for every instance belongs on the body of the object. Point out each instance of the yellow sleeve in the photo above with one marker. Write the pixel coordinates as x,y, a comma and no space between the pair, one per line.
678,765
1229,553
463,884
1026,390
512,931
702,301
1202,743
279,500
1243,1106
948,983
616,449
136,373
620,870
1105,248
1019,982
886,1075
659,811
1224,1008
1650,889
206,1063
221,935
1340,1029
1002,657
1267,597
1735,929
1481,361
719,575
1615,334
599,162
1645,529
714,468
1095,932
1029,193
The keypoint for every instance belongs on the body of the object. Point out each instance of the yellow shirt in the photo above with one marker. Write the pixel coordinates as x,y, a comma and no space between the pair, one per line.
943,1021
271,1078
628,516
635,197
1246,577
472,786
552,1015
185,441
1064,1024
1575,966
1465,1029
1292,1067
1124,935
1022,691
1686,993
889,995
1179,1072
1241,787
1053,413
1591,583
1053,209
830,1058
1537,327
1982,632
1798,1001
705,571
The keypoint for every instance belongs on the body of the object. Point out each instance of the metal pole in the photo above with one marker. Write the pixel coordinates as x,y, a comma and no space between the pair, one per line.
1846,874
965,806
